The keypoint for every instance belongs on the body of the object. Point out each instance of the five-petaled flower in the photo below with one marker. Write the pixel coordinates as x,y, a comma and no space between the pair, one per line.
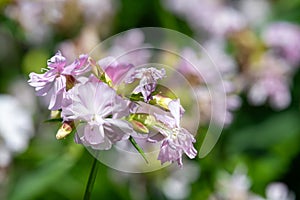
96,107
148,80
177,140
58,78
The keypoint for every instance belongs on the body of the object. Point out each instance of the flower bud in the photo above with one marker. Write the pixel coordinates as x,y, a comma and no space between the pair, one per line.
64,131
55,114
162,101
99,73
96,69
141,121
139,126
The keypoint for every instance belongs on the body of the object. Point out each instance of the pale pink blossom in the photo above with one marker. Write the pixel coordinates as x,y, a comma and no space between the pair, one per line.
270,77
177,140
284,38
96,106
148,80
56,78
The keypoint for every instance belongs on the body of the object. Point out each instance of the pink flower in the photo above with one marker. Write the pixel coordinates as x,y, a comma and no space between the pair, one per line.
271,82
148,80
115,70
130,47
212,16
77,67
177,140
97,107
58,76
285,38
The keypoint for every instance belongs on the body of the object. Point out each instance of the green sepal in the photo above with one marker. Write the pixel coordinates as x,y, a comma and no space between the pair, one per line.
161,97
141,121
164,91
99,72
53,120
105,78
136,97
146,119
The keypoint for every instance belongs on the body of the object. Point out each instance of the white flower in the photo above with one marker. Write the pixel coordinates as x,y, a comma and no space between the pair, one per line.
177,140
97,106
15,128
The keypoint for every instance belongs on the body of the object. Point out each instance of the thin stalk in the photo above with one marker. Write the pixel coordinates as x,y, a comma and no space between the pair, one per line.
138,148
91,180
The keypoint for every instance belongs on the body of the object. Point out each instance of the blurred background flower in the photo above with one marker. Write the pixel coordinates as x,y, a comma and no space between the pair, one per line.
254,45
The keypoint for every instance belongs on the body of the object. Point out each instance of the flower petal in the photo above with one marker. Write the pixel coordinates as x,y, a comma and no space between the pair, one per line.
117,129
57,93
77,67
176,110
58,61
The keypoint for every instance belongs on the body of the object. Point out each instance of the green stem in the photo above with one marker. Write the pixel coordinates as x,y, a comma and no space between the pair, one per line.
91,181
138,148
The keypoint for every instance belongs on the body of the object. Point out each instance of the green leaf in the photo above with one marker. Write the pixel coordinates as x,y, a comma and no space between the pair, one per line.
267,148
268,133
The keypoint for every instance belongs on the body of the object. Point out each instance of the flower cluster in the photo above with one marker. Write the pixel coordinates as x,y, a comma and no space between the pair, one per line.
265,60
237,186
51,16
208,78
86,95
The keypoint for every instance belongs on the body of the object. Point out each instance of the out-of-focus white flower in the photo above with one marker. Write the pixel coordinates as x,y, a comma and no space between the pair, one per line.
178,184
212,16
5,156
36,17
16,128
215,74
85,42
225,21
224,62
130,48
95,10
284,37
235,186
278,191
255,11
24,93
41,18
270,78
